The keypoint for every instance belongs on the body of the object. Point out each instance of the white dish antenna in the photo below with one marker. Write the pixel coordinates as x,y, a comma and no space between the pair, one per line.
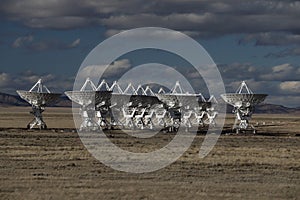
178,97
242,98
243,103
89,98
38,96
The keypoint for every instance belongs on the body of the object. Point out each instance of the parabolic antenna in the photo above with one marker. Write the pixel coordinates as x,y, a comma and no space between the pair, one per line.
134,100
236,99
178,98
85,98
90,100
38,100
243,103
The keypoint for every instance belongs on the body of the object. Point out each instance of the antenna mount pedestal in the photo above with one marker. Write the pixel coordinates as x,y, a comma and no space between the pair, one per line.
38,118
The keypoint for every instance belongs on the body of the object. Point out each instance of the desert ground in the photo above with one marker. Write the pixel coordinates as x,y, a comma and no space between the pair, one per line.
54,164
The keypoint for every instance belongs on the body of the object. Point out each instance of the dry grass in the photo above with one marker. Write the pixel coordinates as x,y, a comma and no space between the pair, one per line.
55,165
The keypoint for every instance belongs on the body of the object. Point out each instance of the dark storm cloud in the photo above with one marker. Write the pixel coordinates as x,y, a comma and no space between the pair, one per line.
199,18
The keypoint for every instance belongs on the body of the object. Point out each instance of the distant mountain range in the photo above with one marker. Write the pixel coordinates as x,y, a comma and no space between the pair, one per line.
265,108
14,100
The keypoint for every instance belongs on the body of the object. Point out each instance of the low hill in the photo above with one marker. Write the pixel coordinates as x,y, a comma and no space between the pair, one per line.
11,100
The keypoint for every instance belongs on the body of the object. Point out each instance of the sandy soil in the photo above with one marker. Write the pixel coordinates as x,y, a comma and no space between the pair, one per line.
54,164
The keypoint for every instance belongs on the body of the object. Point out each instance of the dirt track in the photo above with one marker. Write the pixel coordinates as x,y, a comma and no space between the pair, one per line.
55,165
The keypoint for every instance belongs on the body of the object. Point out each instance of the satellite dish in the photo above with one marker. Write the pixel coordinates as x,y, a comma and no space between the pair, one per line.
86,98
237,100
243,103
177,98
89,100
38,97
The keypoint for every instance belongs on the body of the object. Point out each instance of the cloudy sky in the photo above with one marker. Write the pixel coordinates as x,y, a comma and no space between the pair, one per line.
257,41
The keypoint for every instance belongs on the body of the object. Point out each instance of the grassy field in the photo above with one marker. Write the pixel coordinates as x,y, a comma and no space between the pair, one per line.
53,164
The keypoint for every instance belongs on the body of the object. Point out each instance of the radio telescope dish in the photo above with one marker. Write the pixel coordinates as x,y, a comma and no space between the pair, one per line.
125,100
90,101
85,98
239,99
38,97
243,103
179,100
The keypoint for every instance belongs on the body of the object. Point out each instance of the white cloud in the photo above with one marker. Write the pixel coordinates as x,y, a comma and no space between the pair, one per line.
42,45
153,34
281,73
75,43
21,41
112,32
5,79
9,83
282,68
291,86
60,22
96,71
173,20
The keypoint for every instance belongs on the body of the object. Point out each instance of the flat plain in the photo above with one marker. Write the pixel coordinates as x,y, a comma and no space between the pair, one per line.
54,164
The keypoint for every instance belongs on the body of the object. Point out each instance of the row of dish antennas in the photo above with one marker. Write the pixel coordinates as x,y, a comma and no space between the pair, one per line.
110,106
142,108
